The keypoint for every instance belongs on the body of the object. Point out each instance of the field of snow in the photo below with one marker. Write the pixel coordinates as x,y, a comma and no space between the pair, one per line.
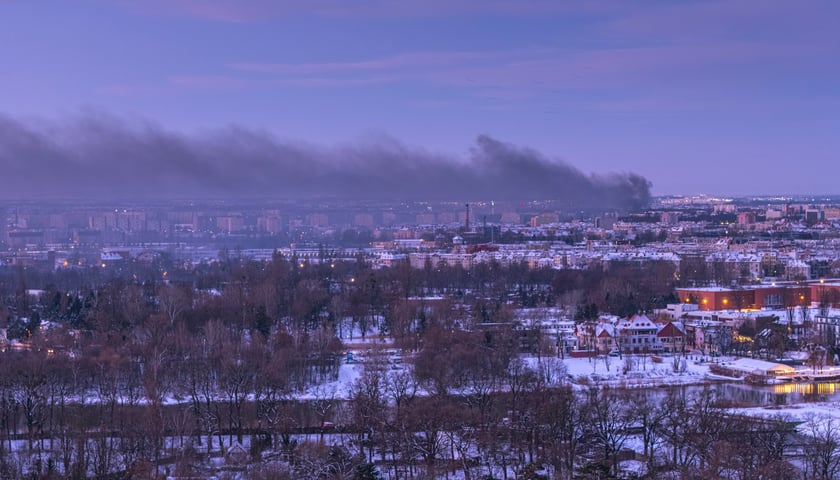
632,371
799,412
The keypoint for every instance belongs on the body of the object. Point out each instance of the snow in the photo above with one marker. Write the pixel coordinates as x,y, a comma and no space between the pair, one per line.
636,370
633,466
809,417
348,374
630,371
751,365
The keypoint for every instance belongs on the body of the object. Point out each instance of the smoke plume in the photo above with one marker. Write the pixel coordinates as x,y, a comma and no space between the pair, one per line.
102,156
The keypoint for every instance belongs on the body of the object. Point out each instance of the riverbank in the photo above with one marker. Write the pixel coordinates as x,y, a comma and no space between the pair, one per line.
636,371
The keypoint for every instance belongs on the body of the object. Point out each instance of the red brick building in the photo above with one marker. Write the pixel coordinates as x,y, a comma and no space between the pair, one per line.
748,298
826,292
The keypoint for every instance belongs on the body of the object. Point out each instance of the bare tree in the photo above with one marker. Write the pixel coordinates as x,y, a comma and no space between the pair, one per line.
561,412
609,416
822,448
427,422
650,415
756,446
675,428
173,302
368,404
707,424
325,401
401,386
30,391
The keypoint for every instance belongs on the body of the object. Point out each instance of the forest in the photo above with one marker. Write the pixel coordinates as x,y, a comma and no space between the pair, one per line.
156,369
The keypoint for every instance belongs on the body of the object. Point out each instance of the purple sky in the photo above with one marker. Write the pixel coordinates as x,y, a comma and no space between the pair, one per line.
722,97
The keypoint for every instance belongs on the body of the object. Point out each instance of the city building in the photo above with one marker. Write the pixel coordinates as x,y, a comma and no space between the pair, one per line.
747,297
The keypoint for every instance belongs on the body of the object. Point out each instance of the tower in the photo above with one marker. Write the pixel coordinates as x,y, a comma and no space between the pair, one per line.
467,225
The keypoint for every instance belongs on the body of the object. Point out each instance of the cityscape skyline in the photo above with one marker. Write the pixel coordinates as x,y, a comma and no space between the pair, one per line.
419,239
739,101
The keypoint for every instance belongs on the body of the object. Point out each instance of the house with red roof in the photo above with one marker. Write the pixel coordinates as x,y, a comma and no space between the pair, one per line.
635,335
672,337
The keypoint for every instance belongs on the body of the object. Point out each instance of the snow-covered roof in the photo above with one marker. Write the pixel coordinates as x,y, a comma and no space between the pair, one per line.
671,329
751,365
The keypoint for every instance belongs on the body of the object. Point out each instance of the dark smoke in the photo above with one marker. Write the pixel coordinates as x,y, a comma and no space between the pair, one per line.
102,156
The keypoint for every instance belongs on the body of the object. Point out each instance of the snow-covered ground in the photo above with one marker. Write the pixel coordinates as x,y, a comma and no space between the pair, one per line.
798,412
341,388
635,370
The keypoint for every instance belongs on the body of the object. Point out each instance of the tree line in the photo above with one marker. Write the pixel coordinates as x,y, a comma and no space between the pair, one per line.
119,372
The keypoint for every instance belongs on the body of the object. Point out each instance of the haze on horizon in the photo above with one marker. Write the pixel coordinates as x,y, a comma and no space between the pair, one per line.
730,97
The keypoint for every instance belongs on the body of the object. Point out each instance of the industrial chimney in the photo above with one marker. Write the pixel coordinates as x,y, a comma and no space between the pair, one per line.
467,226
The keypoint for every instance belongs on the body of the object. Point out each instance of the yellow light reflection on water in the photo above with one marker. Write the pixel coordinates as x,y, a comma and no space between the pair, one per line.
806,388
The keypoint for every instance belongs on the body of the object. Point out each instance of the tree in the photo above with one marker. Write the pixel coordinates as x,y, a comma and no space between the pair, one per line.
367,471
401,386
199,375
29,390
650,415
706,424
324,402
367,399
609,416
443,360
235,382
273,391
822,448
675,429
560,409
754,447
173,301
426,423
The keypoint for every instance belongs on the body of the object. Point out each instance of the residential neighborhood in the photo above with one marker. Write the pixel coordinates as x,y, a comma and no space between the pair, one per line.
300,343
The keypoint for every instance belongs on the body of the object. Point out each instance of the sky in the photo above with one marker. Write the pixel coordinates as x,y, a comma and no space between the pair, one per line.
733,97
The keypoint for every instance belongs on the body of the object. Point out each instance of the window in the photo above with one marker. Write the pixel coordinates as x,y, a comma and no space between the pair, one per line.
773,300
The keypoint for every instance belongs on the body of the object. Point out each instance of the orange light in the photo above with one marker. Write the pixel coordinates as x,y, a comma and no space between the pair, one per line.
705,301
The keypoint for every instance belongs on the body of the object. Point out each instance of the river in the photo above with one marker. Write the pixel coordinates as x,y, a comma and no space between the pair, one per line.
746,395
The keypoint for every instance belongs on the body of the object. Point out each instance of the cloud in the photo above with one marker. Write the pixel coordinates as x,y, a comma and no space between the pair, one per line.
542,68
408,60
130,90
718,20
210,82
237,11
96,155
628,48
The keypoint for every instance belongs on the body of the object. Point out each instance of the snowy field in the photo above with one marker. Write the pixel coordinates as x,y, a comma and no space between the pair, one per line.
629,372
635,371
799,412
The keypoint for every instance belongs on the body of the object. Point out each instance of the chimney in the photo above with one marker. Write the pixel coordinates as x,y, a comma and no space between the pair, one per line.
467,226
